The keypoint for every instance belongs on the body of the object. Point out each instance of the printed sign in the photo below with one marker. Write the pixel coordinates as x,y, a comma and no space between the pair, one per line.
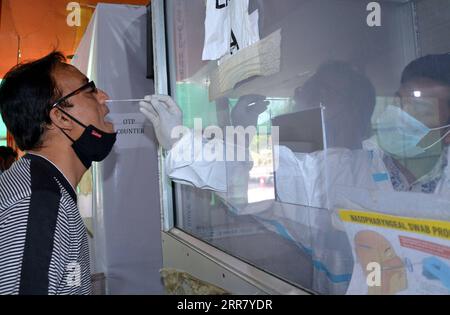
397,255
130,130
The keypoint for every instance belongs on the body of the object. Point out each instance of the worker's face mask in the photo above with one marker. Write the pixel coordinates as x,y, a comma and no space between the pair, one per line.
399,133
94,145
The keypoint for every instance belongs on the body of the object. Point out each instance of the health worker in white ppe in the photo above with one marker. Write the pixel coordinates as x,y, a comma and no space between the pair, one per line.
407,153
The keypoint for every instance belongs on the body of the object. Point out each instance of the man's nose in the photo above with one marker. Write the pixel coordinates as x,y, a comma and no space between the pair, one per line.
103,96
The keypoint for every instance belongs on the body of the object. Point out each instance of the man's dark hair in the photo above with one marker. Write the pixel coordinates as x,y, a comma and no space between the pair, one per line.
26,95
434,67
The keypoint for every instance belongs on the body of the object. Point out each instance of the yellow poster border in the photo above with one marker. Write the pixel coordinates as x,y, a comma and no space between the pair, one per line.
432,228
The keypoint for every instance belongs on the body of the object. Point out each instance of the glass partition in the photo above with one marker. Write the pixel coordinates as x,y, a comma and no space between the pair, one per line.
317,138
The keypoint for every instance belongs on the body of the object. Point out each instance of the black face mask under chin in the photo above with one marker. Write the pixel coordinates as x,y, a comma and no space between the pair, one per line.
94,145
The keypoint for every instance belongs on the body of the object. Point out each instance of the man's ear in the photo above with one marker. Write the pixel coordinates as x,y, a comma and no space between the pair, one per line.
59,119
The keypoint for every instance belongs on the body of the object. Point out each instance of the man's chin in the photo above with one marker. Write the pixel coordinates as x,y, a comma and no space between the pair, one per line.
109,127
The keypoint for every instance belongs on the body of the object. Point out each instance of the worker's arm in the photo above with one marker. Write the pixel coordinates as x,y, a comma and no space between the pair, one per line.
186,163
191,159
301,178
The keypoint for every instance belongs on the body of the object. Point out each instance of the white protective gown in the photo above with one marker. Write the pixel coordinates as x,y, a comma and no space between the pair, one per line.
304,211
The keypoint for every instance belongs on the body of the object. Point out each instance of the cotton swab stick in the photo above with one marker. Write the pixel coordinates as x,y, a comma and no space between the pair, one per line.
124,101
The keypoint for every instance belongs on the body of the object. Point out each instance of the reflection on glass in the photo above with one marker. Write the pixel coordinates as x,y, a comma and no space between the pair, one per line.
349,98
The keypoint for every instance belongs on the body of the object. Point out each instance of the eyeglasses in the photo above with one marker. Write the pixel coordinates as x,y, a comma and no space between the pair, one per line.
89,85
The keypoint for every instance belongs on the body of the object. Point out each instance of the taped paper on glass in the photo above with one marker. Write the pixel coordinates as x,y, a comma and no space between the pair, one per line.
130,130
228,28
397,255
260,59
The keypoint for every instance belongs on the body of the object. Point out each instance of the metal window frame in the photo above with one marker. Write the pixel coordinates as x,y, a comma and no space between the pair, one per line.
161,79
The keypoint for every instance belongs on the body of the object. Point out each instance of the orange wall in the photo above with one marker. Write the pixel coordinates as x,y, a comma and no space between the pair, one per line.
41,26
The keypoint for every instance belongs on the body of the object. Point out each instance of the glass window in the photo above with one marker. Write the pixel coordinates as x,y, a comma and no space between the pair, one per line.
341,184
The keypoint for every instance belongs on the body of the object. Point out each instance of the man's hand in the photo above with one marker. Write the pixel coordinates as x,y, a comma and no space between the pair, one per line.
247,110
165,115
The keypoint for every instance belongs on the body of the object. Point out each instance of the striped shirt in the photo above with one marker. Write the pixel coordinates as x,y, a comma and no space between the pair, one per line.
43,241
